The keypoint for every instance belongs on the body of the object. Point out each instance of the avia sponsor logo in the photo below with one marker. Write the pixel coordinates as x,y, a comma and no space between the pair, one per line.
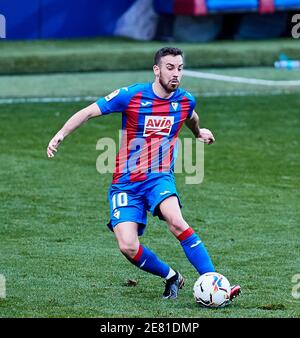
159,125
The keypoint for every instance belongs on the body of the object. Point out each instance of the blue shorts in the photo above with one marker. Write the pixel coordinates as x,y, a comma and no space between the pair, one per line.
131,201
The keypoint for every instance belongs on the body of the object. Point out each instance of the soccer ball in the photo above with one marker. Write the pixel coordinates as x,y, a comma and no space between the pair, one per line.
212,290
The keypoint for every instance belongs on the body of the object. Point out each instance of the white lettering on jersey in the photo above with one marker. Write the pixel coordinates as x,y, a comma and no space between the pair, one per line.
159,125
112,95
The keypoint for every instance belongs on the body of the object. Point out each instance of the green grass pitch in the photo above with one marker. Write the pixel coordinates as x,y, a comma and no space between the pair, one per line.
60,260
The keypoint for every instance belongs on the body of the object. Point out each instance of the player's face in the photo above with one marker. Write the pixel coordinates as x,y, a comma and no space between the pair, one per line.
169,72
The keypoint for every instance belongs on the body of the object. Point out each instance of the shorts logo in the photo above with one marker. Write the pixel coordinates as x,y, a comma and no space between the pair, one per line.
159,125
165,192
112,95
117,214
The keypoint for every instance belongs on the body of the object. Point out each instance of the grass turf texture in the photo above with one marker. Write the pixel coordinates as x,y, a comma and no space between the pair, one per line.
98,84
60,260
45,56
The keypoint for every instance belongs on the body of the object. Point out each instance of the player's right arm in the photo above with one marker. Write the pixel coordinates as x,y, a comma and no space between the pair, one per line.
73,123
116,101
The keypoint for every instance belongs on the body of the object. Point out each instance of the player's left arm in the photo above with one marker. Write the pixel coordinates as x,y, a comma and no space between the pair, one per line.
202,134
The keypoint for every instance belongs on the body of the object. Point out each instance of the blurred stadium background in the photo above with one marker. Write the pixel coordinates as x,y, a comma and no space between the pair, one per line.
56,255
183,20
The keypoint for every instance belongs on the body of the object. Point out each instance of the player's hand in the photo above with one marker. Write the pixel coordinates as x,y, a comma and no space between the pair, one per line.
54,143
206,136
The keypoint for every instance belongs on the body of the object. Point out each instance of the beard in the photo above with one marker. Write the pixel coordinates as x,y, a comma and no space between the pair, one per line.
169,86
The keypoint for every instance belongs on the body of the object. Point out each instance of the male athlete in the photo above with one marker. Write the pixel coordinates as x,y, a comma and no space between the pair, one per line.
152,116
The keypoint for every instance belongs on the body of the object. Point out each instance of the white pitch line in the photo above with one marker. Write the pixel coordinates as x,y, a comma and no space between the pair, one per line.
241,93
238,79
15,100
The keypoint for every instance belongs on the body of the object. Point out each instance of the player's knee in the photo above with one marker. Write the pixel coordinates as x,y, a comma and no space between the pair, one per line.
128,249
177,224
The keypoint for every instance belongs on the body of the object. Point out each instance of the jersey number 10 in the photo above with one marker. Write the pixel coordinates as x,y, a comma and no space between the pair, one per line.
119,200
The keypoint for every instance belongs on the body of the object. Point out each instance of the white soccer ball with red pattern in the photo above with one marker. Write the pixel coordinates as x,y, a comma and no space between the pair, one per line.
212,290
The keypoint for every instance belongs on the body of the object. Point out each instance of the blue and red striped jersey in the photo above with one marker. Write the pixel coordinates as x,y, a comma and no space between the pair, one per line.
150,127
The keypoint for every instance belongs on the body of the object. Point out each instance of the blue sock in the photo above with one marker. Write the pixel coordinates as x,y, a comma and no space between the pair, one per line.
147,260
195,251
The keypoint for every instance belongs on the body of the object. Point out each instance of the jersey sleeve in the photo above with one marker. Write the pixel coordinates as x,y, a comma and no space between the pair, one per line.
192,104
117,101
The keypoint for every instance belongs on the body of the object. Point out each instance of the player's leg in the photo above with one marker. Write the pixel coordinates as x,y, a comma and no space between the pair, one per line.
128,221
126,234
189,240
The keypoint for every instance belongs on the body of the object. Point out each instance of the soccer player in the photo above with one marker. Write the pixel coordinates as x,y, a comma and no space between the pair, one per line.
152,116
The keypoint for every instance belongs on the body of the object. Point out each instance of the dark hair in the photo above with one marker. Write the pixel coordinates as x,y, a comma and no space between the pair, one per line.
166,51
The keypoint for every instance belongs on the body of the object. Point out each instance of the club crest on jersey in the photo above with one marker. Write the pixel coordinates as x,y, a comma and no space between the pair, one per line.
174,105
112,95
159,125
